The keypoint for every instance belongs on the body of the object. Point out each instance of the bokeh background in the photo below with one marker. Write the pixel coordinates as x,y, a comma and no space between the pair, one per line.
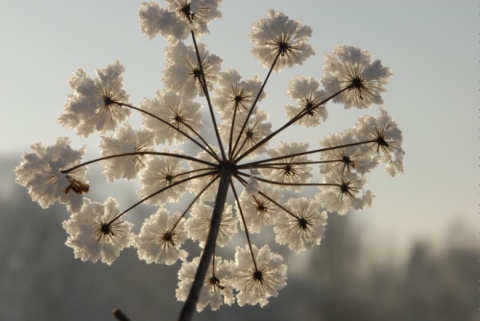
412,256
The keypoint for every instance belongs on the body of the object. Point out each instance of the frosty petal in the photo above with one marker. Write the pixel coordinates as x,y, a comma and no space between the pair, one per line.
259,211
257,284
306,91
345,193
278,35
287,170
95,105
182,72
349,66
236,96
198,225
217,288
180,117
303,227
163,172
181,16
388,140
95,234
161,238
40,172
126,140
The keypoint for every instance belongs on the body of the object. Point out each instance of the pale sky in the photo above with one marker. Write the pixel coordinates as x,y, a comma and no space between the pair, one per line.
431,46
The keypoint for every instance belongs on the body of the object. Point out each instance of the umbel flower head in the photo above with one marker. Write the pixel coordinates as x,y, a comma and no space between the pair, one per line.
187,170
176,21
41,173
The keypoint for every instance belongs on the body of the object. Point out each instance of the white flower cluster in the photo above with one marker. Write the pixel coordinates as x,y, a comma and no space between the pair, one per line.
237,160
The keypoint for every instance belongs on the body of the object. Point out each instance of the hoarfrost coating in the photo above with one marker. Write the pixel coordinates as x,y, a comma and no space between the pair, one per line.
177,159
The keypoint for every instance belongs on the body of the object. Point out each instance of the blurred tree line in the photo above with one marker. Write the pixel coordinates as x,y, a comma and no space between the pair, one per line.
40,279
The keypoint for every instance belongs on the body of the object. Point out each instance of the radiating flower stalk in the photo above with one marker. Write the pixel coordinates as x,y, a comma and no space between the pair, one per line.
239,160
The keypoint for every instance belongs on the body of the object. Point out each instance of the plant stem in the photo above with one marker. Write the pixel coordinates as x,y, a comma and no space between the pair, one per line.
291,121
254,104
206,148
207,95
119,315
138,153
190,304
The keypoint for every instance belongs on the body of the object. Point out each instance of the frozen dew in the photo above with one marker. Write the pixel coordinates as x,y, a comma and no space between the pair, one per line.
206,156
125,141
280,37
40,171
172,118
161,238
198,224
349,66
96,105
260,279
309,97
218,284
95,232
185,74
179,19
258,210
162,174
303,226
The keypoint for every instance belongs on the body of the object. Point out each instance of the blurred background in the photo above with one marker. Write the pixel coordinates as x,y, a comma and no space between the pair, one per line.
412,256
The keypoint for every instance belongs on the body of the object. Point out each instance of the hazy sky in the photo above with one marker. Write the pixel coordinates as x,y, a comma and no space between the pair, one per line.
431,46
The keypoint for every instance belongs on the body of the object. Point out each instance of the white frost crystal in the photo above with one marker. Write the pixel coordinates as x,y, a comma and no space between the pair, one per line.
205,153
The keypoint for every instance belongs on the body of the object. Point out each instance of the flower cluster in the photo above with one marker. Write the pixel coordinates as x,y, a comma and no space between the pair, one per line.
265,182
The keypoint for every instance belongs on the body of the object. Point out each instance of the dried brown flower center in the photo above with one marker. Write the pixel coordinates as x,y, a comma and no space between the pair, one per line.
261,208
258,276
168,238
303,223
215,282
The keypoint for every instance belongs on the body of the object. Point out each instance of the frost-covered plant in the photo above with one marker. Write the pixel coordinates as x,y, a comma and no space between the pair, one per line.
265,182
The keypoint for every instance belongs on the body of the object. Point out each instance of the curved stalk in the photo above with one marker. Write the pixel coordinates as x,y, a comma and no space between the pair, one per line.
193,201
244,183
286,183
290,122
282,165
244,226
206,148
68,170
158,192
253,164
205,90
255,102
